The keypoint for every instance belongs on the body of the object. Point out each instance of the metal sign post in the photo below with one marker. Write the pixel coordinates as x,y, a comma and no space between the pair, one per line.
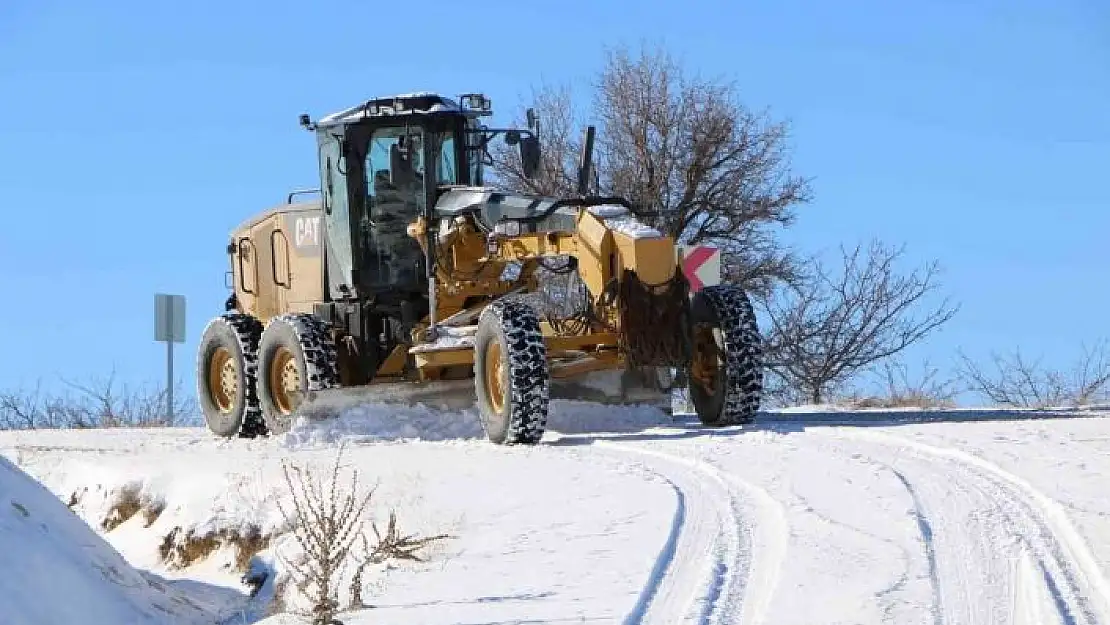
169,327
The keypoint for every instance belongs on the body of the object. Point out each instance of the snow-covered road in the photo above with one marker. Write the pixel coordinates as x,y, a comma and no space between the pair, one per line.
628,517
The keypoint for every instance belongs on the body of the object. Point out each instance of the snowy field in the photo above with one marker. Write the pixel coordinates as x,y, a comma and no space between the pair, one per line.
619,516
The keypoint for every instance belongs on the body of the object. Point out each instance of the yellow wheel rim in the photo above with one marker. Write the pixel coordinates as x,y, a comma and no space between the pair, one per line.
223,380
285,381
706,365
494,381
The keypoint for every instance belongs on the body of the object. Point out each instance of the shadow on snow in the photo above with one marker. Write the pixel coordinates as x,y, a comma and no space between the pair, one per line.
687,426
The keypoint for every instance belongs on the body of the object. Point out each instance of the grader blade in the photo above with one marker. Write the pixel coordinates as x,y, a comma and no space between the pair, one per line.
447,396
609,387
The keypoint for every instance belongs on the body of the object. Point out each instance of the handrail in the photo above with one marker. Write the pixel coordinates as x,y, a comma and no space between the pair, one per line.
242,275
273,260
289,198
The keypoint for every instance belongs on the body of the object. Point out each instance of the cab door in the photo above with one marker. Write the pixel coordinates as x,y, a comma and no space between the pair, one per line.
394,172
338,254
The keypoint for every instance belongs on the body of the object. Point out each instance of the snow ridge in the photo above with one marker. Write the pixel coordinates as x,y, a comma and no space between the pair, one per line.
58,554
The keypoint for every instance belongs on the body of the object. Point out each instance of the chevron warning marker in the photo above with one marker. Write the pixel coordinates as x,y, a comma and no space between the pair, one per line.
701,264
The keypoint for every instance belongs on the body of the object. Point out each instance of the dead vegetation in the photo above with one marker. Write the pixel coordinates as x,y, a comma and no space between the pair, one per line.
1020,382
181,548
95,404
898,389
127,504
833,325
327,521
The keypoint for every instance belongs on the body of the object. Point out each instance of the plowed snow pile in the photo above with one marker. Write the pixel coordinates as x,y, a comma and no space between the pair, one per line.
369,422
56,569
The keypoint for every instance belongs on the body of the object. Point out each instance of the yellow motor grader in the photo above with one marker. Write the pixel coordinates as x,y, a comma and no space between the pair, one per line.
411,280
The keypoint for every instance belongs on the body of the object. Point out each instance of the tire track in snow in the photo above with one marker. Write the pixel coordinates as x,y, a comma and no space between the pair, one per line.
926,530
732,569
1068,574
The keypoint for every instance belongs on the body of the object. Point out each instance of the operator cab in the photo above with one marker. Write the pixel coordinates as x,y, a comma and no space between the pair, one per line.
383,164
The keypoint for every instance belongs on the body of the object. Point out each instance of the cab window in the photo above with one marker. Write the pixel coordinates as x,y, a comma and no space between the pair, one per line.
446,170
395,171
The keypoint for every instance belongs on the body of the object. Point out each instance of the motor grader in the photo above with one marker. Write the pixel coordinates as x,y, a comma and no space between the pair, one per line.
409,279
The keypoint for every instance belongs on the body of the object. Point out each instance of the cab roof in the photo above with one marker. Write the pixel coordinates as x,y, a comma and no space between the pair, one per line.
419,103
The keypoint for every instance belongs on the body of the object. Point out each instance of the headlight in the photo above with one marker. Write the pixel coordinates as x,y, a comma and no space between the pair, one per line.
507,228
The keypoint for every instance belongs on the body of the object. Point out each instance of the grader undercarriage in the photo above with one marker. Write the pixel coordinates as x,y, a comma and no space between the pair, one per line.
410,280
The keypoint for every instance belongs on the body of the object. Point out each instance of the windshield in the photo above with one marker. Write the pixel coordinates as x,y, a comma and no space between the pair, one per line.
394,167
395,164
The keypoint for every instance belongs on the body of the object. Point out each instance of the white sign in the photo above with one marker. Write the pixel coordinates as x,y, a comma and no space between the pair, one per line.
169,318
701,264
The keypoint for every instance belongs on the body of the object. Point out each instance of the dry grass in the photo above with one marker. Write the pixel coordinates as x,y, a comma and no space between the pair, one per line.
901,390
127,504
912,400
181,549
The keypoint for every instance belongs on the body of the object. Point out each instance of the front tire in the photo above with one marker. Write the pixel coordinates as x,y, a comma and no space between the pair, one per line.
726,371
227,362
511,376
296,355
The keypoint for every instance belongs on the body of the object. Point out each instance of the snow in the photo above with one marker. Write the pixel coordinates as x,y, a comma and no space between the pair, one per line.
447,338
58,570
625,515
621,220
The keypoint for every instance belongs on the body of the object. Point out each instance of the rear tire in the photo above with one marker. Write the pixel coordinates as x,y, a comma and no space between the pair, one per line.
296,355
511,373
227,363
726,372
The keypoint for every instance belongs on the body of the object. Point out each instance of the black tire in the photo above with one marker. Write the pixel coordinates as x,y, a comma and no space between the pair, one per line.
233,339
512,329
306,341
737,389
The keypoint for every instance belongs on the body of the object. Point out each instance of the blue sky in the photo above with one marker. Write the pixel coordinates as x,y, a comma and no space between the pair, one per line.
134,137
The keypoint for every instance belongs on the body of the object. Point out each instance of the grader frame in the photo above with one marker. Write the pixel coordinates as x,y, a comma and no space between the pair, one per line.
410,274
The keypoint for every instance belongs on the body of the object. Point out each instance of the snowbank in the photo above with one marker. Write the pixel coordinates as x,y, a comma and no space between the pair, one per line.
51,554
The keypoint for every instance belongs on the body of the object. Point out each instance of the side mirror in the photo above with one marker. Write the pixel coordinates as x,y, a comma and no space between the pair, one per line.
530,156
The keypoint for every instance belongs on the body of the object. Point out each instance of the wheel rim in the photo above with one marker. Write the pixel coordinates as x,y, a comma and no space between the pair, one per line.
223,380
285,381
705,370
495,390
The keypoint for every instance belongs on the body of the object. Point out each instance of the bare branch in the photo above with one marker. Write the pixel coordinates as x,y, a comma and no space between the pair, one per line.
97,403
325,525
1020,382
832,326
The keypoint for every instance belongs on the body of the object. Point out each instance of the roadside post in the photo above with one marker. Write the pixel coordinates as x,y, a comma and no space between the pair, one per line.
169,328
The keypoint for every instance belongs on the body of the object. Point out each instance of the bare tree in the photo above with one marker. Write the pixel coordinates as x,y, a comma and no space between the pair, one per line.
559,132
683,148
831,326
1020,382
